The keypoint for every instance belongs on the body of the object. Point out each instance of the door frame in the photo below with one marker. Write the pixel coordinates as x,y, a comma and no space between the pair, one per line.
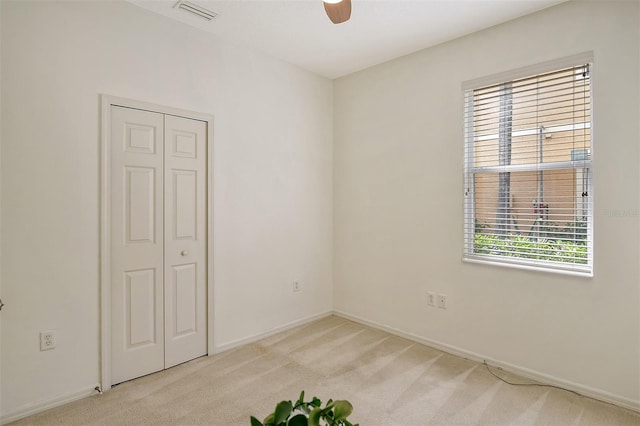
106,102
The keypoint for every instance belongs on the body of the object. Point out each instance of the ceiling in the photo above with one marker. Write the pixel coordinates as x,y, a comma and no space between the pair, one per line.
299,32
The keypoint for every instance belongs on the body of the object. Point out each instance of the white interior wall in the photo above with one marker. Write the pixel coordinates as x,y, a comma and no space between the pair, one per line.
272,180
398,205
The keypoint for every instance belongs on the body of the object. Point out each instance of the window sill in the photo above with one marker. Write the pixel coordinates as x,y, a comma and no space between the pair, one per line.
586,272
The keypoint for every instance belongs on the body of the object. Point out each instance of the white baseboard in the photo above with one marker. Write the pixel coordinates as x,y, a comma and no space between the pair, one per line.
38,407
254,338
524,372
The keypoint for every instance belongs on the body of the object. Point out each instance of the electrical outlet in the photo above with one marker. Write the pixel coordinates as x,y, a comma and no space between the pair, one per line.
442,301
431,298
47,340
296,286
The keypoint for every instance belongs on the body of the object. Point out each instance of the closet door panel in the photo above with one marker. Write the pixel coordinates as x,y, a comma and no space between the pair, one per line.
137,243
185,239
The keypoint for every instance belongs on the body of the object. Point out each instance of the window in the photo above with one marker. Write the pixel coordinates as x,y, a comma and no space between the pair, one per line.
528,170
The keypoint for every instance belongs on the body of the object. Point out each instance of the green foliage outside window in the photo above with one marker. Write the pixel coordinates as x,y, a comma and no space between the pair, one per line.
551,242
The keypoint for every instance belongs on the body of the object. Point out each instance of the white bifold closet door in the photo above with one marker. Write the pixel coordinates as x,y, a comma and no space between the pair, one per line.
158,241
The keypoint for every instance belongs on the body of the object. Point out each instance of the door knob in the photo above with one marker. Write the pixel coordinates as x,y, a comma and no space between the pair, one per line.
184,252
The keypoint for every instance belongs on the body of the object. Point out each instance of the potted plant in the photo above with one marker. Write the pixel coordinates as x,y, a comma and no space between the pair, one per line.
309,413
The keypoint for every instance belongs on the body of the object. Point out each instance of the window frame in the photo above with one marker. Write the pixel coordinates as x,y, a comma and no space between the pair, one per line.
469,171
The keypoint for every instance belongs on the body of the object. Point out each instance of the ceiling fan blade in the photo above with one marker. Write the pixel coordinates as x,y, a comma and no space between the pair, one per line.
338,12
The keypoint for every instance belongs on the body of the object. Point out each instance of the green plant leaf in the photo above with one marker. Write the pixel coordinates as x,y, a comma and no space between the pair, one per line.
283,411
268,421
255,422
342,409
315,402
301,399
298,420
314,417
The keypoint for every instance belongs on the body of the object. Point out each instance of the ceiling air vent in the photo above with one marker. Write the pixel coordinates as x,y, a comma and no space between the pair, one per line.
196,10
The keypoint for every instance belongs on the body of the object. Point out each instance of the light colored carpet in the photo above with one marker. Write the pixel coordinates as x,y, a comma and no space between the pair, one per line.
389,380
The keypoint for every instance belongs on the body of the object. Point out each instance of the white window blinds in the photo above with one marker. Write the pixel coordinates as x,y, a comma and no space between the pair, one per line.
528,168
